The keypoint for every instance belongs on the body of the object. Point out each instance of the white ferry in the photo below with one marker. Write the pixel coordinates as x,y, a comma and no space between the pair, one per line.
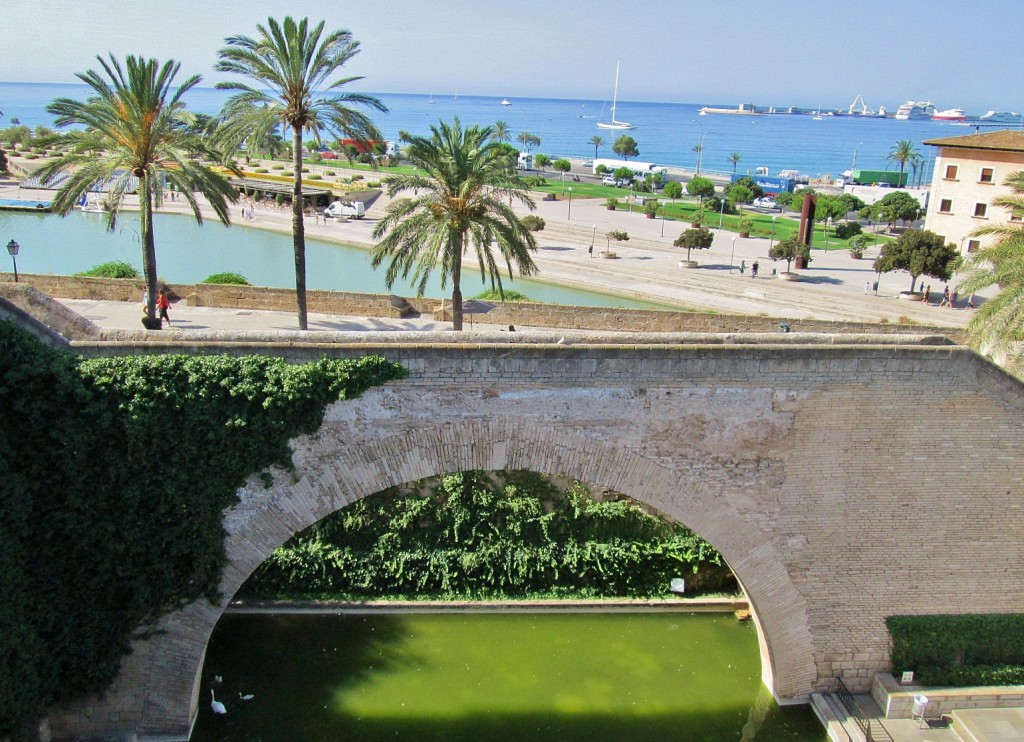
1000,117
950,114
915,109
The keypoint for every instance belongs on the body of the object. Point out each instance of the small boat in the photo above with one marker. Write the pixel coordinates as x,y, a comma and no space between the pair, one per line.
505,102
92,204
950,114
614,123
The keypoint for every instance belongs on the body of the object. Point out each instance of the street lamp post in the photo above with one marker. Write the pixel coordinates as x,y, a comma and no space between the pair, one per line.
732,255
12,248
662,220
593,236
772,242
721,213
569,217
828,223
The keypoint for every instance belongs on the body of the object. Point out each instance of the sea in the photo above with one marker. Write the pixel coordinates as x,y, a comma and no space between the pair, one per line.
666,133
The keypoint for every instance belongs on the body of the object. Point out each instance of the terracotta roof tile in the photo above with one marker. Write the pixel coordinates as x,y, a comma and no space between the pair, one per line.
1007,141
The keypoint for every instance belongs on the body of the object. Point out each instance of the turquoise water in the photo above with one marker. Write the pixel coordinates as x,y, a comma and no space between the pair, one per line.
188,253
522,677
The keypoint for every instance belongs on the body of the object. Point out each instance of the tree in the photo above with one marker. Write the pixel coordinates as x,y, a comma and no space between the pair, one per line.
789,250
541,160
462,200
501,132
623,175
132,141
905,154
829,207
563,166
700,188
999,324
747,182
740,194
625,147
919,252
852,202
698,149
896,205
673,189
734,158
597,142
291,65
528,140
699,238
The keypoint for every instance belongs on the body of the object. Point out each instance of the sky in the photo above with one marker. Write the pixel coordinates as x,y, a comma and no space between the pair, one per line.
956,53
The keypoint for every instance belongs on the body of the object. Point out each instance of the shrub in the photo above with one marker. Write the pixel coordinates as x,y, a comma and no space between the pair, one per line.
612,203
111,269
535,181
533,222
354,178
233,279
260,170
315,176
277,166
373,184
846,230
331,173
744,226
287,173
509,295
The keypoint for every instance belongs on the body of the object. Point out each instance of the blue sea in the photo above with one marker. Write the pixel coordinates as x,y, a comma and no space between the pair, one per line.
666,133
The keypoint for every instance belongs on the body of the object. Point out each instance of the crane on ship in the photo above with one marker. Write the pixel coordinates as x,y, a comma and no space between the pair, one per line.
862,109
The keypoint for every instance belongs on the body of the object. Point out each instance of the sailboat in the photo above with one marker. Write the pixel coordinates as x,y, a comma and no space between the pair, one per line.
615,124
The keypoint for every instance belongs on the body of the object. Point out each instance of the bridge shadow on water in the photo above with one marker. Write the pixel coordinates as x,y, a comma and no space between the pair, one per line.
321,678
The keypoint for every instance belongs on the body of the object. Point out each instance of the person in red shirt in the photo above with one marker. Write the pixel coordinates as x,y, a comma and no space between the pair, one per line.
162,305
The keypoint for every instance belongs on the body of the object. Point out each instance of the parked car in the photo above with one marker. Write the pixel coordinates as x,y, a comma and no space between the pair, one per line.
350,209
609,180
328,155
765,203
588,163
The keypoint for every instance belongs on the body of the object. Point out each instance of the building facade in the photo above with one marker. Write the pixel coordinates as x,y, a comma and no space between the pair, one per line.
970,172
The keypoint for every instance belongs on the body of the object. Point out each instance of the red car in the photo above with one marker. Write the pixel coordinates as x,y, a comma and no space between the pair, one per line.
329,155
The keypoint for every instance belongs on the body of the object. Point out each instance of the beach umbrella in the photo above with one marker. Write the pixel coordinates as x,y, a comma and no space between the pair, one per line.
475,306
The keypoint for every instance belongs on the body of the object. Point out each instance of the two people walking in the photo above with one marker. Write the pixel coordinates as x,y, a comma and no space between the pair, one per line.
163,303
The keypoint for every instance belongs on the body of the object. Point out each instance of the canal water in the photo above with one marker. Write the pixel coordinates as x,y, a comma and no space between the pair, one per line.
187,253
444,677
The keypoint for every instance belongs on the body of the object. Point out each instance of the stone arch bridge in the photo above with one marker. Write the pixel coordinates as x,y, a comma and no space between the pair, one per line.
844,479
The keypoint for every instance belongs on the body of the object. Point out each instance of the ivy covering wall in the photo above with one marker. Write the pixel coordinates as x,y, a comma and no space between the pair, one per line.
476,535
113,477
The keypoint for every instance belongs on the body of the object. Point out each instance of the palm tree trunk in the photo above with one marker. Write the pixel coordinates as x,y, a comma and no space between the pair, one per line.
148,246
456,287
298,229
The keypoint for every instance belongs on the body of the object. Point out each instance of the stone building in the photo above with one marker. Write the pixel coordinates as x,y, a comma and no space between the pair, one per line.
971,171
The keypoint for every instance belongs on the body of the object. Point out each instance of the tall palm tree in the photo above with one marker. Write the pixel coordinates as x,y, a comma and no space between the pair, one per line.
501,132
905,154
290,64
734,158
597,141
134,137
463,200
998,325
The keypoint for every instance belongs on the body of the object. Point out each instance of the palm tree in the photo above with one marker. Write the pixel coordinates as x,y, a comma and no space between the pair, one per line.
290,64
501,133
463,199
905,154
734,158
134,139
998,325
597,142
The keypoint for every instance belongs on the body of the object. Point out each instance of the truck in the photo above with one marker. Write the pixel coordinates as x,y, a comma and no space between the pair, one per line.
346,209
876,177
639,169
770,184
525,161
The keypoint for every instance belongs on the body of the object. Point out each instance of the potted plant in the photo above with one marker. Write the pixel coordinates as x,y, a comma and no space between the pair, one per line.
611,203
699,238
698,218
744,226
618,236
651,208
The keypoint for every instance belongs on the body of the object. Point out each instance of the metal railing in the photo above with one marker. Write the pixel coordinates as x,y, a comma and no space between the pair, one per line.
872,732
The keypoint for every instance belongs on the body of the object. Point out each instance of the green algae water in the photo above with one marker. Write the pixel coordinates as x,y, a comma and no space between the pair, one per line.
445,677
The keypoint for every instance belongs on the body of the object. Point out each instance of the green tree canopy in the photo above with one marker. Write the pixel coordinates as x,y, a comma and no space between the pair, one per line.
541,160
700,187
596,141
528,140
501,132
291,65
829,207
698,238
789,250
734,158
133,140
740,194
673,189
904,154
562,165
998,327
461,201
747,182
898,205
625,146
919,253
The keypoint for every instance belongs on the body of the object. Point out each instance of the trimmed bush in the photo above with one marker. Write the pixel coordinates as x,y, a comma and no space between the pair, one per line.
111,269
510,295
232,279
533,222
261,170
846,230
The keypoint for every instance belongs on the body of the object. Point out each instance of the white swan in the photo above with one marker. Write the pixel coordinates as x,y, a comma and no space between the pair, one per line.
217,706
246,697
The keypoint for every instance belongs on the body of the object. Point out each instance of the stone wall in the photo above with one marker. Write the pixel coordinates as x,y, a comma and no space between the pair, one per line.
897,701
842,484
527,314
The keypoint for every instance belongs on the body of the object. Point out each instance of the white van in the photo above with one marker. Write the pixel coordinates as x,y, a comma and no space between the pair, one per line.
350,209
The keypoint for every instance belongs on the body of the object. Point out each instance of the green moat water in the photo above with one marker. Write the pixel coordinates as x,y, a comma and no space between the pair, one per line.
425,677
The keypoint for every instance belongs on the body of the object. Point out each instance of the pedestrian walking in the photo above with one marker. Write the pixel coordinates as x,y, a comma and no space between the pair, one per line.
927,295
970,301
867,287
753,269
743,266
952,300
945,297
145,301
163,304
